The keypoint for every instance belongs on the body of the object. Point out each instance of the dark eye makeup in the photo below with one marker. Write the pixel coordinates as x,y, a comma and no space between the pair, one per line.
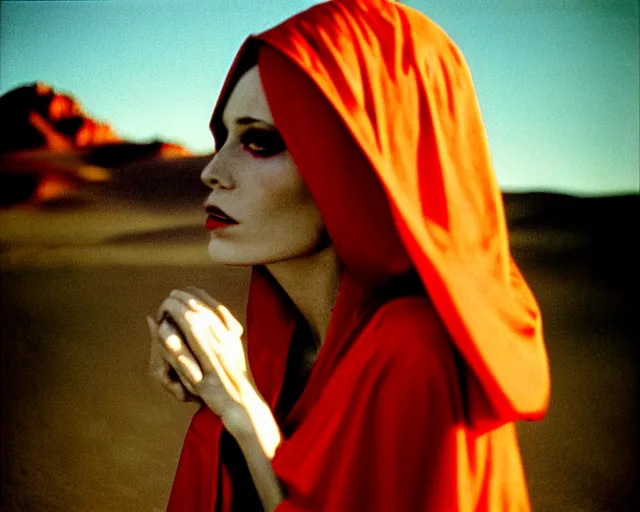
262,142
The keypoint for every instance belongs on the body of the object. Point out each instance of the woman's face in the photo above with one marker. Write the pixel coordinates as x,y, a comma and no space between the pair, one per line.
255,182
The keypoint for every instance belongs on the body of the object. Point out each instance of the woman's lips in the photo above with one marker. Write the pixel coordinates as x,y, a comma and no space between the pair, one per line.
213,223
217,218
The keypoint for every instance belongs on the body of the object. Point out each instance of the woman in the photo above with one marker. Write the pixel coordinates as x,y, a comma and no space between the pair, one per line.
391,341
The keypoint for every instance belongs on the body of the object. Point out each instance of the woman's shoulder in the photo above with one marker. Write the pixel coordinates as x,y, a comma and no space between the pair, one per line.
406,347
410,315
409,329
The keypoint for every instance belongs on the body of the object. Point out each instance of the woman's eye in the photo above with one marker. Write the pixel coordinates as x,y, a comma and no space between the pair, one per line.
256,148
262,142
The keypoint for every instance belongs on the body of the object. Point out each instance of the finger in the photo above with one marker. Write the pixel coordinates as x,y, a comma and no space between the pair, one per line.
161,371
203,296
193,330
190,368
177,355
230,353
174,353
164,374
212,310
228,348
175,294
181,393
203,319
194,302
155,357
214,342
196,325
209,339
196,321
231,323
211,332
153,328
175,388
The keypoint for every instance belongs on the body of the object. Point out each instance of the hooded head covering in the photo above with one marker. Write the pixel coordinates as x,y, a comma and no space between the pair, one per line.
376,105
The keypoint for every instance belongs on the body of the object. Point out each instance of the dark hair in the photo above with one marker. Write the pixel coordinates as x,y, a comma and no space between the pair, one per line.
248,59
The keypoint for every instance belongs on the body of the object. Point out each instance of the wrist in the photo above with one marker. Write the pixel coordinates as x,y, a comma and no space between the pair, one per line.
237,421
257,423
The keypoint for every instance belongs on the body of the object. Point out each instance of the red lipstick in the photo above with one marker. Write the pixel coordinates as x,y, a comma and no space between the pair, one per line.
217,218
213,223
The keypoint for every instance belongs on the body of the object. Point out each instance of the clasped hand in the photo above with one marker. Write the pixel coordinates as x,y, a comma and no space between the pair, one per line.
197,352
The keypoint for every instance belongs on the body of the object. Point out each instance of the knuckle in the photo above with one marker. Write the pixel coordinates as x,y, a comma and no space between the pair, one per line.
205,386
165,330
173,343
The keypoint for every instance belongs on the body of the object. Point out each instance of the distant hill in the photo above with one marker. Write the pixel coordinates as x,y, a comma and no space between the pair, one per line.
49,146
595,234
543,210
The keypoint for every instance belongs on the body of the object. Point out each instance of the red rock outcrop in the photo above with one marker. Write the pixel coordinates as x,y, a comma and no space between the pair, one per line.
49,147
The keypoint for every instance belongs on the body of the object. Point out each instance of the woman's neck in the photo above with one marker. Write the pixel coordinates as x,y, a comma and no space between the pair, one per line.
312,283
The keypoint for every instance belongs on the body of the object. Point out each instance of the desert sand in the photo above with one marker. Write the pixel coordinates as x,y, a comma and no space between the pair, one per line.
85,429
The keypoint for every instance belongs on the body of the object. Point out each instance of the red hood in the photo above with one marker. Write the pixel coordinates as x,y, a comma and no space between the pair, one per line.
399,166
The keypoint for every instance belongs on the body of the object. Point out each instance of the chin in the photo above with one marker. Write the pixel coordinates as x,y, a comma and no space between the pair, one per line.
231,253
221,254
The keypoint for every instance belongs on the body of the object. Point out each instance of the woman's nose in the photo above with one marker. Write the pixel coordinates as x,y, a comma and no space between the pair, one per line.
213,174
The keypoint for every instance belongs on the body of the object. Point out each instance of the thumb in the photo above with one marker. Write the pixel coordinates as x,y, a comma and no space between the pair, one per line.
153,328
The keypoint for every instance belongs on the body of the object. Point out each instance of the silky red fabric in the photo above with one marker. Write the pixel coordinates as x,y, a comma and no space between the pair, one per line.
411,401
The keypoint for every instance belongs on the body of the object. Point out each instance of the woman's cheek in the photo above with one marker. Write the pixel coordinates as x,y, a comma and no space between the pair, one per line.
280,187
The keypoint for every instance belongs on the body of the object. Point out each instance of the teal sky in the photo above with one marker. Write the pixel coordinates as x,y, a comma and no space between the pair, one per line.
557,80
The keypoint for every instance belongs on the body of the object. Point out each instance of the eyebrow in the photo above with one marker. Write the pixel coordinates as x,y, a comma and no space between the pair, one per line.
245,121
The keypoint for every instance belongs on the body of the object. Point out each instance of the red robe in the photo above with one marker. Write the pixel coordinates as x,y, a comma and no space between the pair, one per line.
411,402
